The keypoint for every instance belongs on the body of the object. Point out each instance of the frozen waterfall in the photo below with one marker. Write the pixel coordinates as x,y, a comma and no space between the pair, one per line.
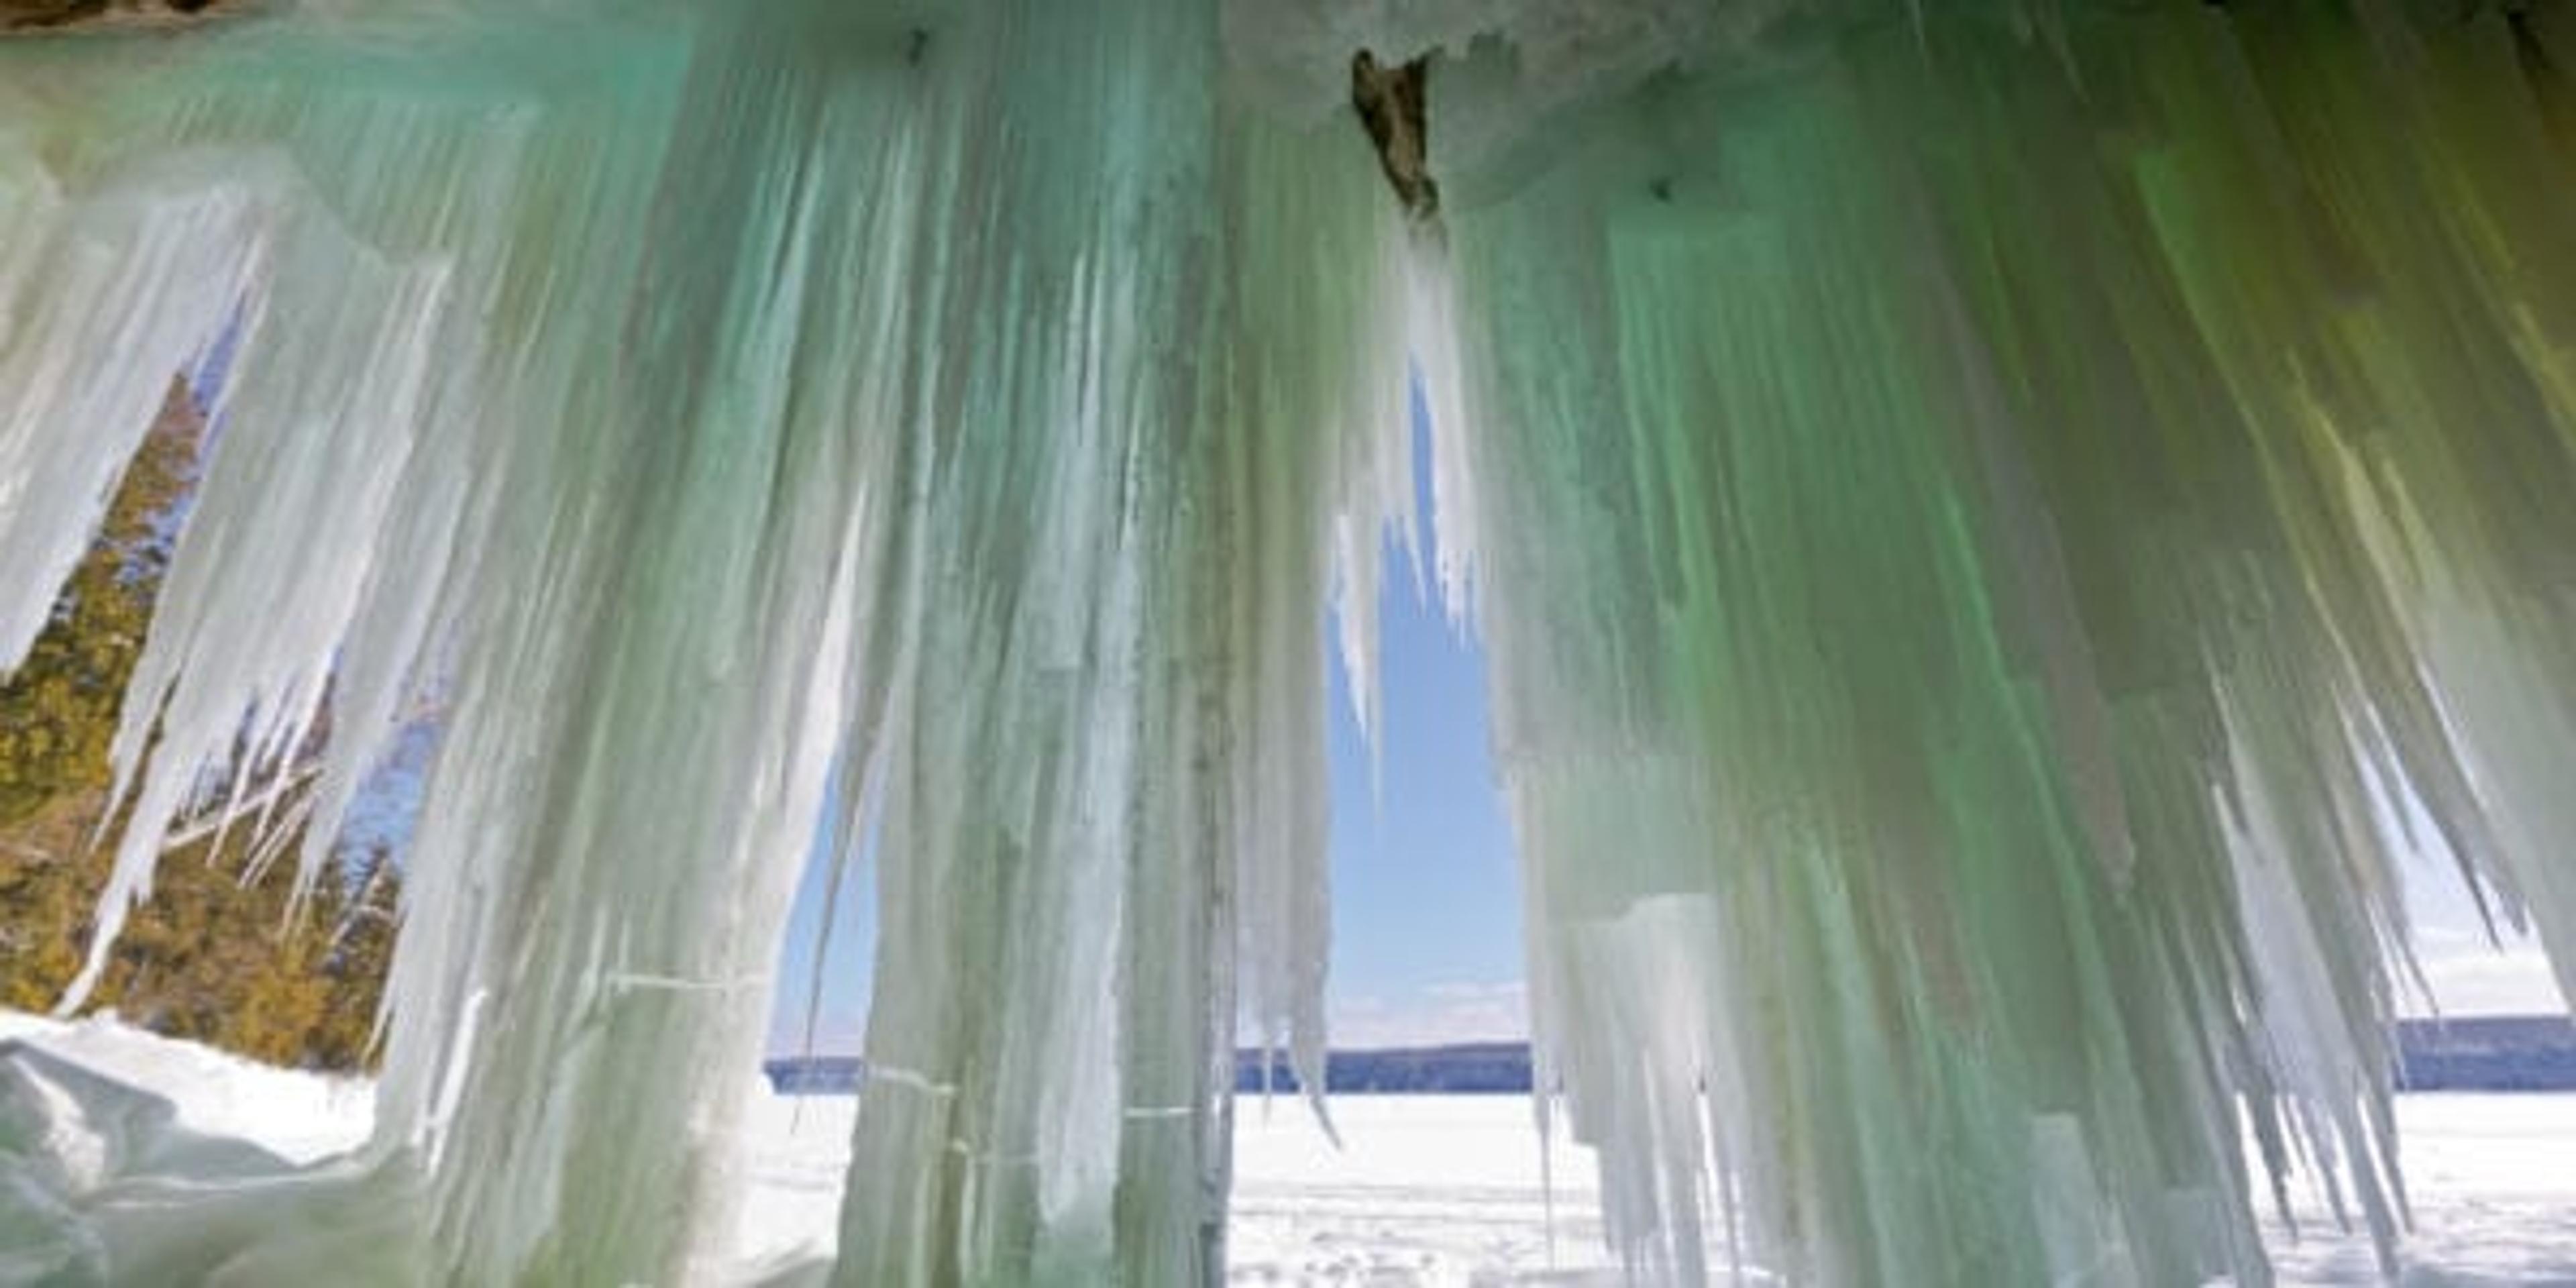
1996,526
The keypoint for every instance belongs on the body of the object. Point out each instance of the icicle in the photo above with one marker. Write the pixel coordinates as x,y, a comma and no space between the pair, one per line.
1122,657
1976,516
1934,507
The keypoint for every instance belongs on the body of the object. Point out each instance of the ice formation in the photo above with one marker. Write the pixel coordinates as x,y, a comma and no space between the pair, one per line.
1994,527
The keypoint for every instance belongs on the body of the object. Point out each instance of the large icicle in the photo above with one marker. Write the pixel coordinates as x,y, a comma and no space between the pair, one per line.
509,429
1114,714
1979,535
761,389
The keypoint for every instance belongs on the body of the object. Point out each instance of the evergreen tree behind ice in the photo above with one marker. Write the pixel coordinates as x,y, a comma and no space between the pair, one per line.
1991,525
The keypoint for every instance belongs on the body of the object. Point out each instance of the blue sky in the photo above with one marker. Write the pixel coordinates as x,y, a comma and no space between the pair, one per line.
1426,894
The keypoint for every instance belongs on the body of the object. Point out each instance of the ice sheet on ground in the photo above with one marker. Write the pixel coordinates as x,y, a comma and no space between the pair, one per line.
1432,1190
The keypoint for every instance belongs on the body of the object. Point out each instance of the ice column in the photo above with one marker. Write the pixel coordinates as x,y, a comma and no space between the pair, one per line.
1985,532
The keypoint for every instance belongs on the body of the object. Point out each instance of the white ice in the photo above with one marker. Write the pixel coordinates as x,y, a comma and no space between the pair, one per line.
1428,1190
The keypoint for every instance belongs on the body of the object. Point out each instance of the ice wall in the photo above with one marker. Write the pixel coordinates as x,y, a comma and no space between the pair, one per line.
683,404
1988,524
1988,532
1169,428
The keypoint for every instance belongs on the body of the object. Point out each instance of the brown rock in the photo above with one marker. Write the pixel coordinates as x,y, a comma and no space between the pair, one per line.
35,17
1390,103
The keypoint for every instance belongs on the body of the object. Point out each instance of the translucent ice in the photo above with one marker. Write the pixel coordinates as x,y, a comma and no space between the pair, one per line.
1990,525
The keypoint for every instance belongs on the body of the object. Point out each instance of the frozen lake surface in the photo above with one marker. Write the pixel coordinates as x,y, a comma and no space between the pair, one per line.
1447,1190
1440,1190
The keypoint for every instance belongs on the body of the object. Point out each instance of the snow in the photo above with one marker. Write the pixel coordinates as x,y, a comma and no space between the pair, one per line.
1427,1190
300,1117
1446,1190
2493,1178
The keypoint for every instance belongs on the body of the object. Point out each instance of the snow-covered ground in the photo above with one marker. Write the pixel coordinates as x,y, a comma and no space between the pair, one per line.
297,1116
1447,1190
1438,1190
1429,1190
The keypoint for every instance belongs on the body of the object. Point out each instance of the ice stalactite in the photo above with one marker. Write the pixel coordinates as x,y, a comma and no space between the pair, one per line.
1171,429
507,428
1987,535
978,400
1988,524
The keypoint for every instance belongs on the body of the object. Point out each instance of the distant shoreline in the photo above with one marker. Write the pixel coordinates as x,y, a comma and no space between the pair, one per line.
2519,1053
